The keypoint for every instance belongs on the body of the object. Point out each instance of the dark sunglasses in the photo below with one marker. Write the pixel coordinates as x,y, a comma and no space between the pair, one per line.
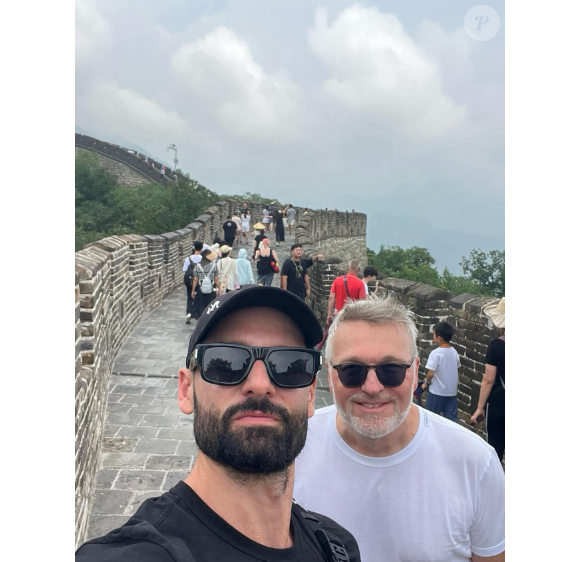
229,364
353,375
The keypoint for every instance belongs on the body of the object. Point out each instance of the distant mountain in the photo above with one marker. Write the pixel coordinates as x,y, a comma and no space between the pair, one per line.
446,246
116,139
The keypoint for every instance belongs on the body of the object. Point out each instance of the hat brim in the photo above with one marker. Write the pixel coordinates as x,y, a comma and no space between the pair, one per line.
497,317
250,296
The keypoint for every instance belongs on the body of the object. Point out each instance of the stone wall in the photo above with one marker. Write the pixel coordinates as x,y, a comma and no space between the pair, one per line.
117,281
126,176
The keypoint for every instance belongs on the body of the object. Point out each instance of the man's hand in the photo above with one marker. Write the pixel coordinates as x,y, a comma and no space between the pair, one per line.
329,319
307,292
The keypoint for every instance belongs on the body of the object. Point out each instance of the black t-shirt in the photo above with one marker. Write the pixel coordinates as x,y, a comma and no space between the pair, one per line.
307,262
180,527
295,272
230,230
496,356
263,265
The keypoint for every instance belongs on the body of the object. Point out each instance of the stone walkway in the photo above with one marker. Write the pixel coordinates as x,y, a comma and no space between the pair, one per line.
148,443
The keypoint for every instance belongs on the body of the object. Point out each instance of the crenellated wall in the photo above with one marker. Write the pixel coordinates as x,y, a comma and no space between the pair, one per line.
117,281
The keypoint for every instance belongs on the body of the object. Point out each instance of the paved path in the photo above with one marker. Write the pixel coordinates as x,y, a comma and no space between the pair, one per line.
148,443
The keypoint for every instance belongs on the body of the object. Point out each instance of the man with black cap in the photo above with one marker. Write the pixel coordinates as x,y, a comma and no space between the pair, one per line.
250,377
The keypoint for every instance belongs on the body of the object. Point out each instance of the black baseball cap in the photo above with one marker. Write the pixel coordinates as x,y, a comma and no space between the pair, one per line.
252,296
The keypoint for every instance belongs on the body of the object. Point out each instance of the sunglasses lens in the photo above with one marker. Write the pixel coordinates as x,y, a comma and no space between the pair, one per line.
225,365
291,368
352,375
390,374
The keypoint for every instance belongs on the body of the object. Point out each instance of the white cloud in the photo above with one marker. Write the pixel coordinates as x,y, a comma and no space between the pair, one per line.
113,110
248,102
379,71
93,35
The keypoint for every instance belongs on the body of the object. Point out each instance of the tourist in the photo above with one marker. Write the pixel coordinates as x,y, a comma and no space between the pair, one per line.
267,219
227,271
410,485
345,287
278,220
245,273
442,374
291,216
492,391
249,424
205,269
260,234
267,262
293,276
230,229
370,274
245,219
162,170
244,209
236,218
188,267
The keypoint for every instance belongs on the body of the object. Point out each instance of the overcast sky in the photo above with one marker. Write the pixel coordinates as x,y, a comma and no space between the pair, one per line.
385,107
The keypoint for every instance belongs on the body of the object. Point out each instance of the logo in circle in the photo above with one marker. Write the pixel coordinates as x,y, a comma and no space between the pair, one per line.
481,23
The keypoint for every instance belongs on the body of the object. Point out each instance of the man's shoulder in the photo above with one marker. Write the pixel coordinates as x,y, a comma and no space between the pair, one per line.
320,417
333,528
458,438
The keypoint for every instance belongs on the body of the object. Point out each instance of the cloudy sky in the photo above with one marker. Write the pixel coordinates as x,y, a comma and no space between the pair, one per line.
389,108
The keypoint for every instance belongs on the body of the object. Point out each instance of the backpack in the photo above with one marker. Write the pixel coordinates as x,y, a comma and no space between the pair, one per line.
206,286
189,275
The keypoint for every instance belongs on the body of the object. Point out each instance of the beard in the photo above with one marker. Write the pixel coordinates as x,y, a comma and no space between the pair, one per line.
372,425
259,449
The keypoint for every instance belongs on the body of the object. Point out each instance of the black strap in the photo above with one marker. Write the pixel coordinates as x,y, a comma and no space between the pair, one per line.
332,546
346,286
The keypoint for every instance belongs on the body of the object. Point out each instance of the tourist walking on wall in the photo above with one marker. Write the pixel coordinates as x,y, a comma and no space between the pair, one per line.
188,275
409,485
442,374
245,219
267,263
491,403
236,218
278,219
260,230
227,271
345,287
293,276
204,282
291,215
370,274
245,273
230,229
267,219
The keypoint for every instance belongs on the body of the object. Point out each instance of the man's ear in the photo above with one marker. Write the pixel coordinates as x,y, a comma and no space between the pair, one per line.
329,373
311,396
185,391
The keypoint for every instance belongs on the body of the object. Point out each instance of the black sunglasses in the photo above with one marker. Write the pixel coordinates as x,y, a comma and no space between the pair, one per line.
229,364
353,375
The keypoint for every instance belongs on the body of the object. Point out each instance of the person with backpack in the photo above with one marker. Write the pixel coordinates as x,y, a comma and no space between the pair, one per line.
492,391
205,278
188,267
267,263
227,271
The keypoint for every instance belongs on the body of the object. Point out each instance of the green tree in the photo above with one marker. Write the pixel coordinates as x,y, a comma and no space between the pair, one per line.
255,197
458,284
415,264
487,270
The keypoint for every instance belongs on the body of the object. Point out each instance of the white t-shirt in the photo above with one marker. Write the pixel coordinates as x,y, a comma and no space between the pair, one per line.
245,223
193,259
440,498
444,362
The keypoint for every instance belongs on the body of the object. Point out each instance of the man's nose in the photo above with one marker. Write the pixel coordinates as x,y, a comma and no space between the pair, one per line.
258,382
372,384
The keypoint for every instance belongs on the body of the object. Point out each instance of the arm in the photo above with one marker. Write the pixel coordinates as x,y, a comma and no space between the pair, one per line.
307,281
428,378
274,256
284,282
193,286
484,391
331,301
497,558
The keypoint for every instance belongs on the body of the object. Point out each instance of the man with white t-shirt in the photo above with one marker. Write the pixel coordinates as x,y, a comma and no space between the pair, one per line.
442,374
410,485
